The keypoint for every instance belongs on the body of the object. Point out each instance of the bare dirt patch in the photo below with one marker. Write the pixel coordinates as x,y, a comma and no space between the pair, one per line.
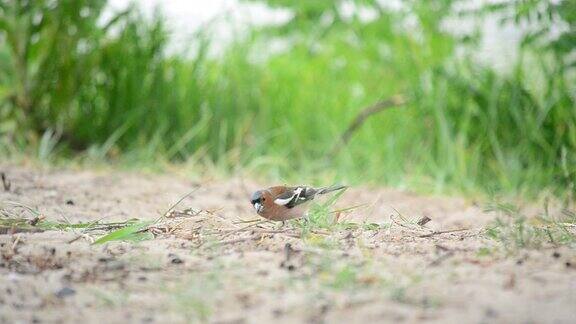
207,265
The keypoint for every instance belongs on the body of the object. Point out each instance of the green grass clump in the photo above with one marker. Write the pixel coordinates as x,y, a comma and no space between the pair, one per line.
11,221
515,231
324,216
320,215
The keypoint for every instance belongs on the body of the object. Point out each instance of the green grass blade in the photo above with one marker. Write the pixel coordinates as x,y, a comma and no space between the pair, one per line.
128,233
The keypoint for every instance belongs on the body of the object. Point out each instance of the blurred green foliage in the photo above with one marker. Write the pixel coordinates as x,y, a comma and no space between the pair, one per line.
75,81
551,24
36,60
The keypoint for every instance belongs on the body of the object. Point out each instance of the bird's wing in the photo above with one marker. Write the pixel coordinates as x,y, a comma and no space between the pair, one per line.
295,196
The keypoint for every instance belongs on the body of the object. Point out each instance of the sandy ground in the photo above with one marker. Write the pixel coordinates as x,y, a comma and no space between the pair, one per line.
205,266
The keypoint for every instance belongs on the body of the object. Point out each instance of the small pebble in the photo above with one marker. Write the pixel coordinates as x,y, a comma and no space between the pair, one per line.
177,260
65,292
115,265
489,312
277,312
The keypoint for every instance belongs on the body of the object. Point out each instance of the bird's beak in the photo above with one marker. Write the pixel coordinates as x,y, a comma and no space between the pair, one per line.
258,207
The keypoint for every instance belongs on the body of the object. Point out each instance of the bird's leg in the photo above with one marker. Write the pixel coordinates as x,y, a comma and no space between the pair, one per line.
306,218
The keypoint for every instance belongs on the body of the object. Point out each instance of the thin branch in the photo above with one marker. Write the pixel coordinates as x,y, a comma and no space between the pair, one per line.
361,118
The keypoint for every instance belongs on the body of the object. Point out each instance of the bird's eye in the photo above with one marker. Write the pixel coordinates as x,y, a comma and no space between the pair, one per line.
263,199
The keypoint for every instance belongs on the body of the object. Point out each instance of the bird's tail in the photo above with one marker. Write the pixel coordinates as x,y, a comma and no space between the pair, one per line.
325,190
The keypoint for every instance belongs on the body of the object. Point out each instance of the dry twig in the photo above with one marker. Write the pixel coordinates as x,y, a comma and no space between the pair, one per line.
361,118
444,232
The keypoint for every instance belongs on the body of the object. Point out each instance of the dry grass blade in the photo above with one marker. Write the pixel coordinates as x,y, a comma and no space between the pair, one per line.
423,221
444,232
405,223
245,228
167,212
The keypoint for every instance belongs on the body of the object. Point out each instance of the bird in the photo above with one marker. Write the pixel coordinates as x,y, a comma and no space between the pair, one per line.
281,203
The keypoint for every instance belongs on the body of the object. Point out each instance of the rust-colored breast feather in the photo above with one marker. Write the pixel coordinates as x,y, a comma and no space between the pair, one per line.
277,212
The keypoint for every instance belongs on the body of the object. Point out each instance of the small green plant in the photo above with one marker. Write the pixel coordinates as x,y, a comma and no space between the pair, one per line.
483,252
110,299
347,277
320,215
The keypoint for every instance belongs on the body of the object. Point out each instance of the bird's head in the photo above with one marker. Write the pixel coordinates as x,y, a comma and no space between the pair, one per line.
257,201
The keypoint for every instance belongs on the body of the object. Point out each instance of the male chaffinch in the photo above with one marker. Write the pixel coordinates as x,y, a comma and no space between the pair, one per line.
282,203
